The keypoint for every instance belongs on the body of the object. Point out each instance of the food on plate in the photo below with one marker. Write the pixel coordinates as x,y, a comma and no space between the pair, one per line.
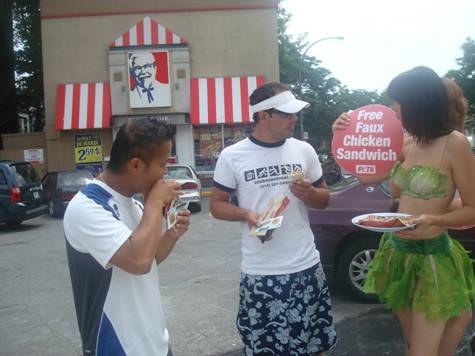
386,221
407,220
296,176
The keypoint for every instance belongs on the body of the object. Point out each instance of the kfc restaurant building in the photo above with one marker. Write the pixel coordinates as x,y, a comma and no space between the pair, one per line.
191,64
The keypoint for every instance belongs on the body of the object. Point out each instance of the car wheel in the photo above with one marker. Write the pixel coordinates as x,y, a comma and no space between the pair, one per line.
353,267
51,209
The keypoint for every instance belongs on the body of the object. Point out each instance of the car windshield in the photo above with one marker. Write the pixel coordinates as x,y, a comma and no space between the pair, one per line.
74,179
352,180
344,183
385,187
176,172
24,173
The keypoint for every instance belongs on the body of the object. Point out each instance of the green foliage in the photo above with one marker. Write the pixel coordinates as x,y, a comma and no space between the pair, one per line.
8,113
28,66
465,78
313,83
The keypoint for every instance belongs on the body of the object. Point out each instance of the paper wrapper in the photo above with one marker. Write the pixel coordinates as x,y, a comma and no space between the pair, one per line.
275,208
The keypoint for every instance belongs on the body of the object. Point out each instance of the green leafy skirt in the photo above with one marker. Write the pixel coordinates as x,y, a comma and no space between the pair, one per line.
431,276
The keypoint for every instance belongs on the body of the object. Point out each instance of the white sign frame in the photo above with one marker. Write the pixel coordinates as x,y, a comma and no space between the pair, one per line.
34,155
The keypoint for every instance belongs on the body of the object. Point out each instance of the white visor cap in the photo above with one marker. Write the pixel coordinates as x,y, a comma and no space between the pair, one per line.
284,101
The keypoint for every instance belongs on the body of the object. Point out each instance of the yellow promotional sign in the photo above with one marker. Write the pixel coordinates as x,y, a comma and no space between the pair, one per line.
87,149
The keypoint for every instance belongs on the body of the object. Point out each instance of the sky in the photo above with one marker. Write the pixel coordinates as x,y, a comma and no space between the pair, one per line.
382,38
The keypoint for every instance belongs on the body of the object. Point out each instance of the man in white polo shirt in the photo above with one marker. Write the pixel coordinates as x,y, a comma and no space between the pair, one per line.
285,306
114,244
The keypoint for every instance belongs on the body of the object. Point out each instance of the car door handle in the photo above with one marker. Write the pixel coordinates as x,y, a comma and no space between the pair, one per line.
370,189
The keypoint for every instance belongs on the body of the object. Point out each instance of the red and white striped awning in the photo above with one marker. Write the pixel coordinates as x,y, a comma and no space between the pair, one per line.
147,32
222,100
83,106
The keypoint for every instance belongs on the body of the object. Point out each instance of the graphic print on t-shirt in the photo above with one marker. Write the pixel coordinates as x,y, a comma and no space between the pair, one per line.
271,175
292,248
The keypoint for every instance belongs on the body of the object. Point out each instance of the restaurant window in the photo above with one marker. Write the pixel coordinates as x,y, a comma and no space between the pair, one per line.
209,142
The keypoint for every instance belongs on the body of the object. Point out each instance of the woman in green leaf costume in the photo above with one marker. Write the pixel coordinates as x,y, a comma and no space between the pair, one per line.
423,275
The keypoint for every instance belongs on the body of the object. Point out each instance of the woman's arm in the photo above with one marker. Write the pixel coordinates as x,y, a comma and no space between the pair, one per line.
461,212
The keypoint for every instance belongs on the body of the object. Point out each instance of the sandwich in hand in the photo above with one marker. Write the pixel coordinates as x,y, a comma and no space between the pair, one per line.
296,176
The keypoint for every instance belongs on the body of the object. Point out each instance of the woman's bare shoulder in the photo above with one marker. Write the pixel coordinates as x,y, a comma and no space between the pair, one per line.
457,144
457,138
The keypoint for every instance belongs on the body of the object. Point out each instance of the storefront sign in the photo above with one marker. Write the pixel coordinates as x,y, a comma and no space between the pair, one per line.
88,152
149,79
34,155
371,144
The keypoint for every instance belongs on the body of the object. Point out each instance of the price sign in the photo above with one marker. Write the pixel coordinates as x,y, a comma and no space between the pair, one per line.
87,149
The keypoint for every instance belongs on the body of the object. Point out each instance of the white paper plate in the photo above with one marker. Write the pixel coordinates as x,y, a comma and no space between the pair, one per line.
381,229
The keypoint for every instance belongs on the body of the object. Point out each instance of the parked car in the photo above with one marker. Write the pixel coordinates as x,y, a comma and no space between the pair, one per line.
190,183
346,250
21,193
60,187
332,172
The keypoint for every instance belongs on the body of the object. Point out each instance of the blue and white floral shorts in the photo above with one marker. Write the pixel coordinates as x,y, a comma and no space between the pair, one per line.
287,314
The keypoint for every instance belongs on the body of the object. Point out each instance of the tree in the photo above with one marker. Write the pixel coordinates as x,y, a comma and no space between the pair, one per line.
309,81
8,112
313,83
27,40
465,78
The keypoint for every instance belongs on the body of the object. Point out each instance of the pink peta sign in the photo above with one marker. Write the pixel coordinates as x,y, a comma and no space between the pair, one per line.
372,142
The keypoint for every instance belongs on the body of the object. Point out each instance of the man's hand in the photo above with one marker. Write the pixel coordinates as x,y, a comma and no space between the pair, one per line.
171,236
181,225
252,219
301,188
163,191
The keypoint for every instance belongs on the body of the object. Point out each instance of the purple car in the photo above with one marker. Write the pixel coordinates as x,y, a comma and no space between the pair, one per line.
347,250
60,187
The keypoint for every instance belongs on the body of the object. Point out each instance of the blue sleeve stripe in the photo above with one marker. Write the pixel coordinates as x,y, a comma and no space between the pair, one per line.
100,196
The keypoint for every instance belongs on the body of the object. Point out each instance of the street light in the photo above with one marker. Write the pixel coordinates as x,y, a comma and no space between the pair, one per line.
300,73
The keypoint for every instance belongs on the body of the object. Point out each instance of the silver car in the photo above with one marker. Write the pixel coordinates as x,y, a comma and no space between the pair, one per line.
190,183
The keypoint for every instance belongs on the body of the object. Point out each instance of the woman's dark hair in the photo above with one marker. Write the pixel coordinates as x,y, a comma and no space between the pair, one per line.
424,103
264,92
138,138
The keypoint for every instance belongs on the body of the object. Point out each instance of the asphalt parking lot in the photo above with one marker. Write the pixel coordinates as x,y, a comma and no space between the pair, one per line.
199,284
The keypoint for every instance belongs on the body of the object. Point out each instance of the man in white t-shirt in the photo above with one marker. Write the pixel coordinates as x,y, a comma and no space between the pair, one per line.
114,244
285,306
